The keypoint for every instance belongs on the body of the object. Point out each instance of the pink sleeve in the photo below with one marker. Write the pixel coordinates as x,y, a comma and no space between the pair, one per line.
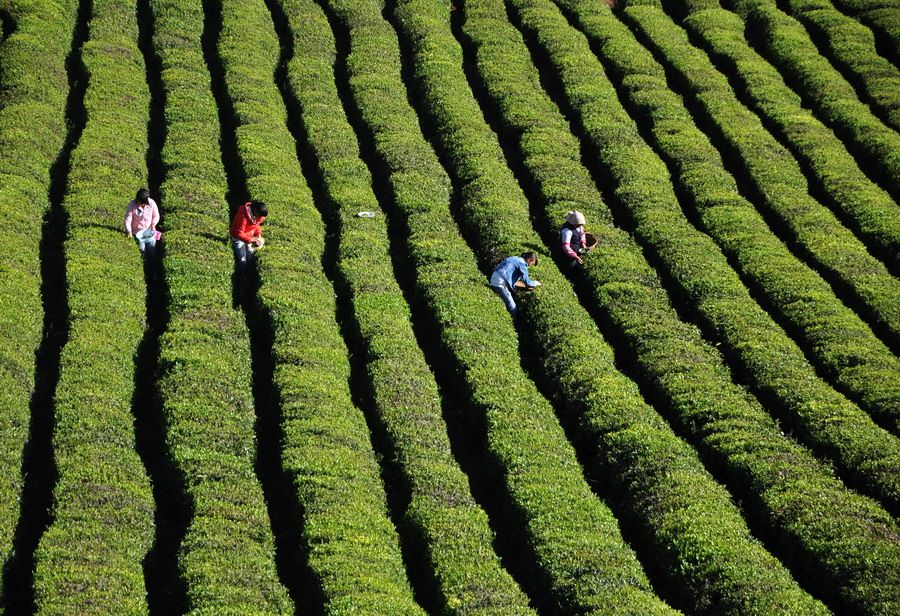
155,220
566,237
127,223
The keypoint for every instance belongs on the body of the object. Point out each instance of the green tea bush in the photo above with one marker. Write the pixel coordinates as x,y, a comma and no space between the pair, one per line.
784,41
580,562
780,189
779,482
851,48
102,527
863,206
670,498
352,545
227,558
775,365
883,17
33,89
828,330
454,537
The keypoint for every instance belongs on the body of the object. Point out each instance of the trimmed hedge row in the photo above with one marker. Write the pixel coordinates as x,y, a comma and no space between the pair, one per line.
851,48
579,559
865,207
697,539
102,523
33,89
227,558
452,531
772,362
785,43
837,340
352,545
883,17
781,190
849,554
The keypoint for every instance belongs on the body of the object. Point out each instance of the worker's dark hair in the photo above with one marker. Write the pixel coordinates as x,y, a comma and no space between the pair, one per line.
142,196
259,209
529,255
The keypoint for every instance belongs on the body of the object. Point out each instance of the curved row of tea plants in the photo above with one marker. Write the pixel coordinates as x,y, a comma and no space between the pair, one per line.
578,558
785,43
452,531
352,546
781,189
863,206
851,48
227,555
102,523
695,537
33,89
837,341
883,17
835,337
773,363
780,483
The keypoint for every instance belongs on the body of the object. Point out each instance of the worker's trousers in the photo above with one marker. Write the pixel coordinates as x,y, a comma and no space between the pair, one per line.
502,288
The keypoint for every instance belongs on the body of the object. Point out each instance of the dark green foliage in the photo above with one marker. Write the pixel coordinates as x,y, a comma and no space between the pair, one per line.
227,558
883,20
780,186
33,88
453,530
668,495
579,557
851,48
868,210
353,549
783,40
779,481
103,508
777,366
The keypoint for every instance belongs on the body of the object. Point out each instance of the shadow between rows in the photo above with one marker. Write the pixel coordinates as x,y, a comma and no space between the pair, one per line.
282,503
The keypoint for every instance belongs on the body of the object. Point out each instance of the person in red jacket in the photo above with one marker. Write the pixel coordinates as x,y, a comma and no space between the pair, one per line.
246,232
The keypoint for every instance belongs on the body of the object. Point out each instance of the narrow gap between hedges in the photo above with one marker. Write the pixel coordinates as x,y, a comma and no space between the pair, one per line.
282,503
7,23
816,190
396,488
597,476
38,461
687,204
755,518
465,424
730,158
876,173
166,591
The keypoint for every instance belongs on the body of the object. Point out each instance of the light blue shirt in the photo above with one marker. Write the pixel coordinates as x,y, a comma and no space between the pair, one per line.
513,269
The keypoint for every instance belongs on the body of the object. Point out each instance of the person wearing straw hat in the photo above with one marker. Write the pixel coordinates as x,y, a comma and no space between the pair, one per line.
574,238
510,273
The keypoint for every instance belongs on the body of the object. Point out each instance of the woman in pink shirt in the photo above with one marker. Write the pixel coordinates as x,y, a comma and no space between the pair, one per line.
141,218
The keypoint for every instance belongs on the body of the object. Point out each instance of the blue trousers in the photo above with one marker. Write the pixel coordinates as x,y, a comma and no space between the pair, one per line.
502,288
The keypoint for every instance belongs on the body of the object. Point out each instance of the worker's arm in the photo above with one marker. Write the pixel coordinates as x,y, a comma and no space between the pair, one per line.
528,282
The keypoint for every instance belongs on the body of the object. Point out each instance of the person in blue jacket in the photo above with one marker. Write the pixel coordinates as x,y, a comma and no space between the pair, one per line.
513,272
